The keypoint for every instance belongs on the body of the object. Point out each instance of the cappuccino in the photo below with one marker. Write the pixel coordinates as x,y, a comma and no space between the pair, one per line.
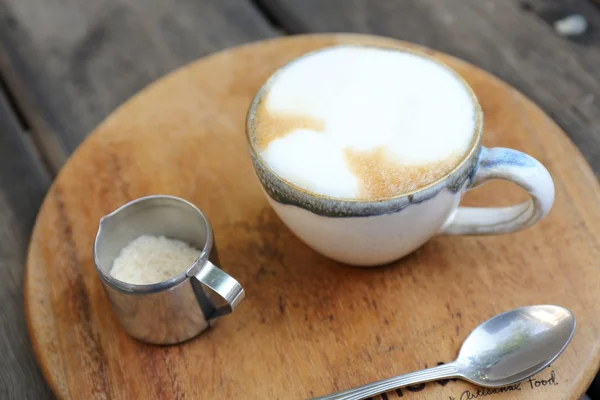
363,123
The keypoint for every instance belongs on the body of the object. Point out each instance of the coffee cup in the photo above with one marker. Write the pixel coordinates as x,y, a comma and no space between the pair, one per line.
365,153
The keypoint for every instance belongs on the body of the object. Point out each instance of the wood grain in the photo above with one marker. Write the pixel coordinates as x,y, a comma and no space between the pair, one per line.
308,326
71,62
513,39
23,183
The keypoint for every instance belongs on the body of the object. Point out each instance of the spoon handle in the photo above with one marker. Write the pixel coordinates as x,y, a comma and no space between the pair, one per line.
371,389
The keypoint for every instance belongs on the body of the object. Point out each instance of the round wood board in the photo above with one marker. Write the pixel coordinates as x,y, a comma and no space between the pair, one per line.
308,325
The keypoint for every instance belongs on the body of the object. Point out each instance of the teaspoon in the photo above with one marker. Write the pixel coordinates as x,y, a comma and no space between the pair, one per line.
502,351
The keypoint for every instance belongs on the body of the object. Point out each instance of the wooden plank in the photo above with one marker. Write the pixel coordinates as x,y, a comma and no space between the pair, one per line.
23,183
513,39
71,62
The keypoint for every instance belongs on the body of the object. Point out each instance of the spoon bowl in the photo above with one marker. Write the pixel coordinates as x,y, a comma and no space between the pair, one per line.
502,351
515,345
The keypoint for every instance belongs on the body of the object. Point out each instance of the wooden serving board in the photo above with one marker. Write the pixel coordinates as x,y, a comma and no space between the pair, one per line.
308,326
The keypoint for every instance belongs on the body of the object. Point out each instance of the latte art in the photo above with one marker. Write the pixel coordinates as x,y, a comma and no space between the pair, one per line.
363,123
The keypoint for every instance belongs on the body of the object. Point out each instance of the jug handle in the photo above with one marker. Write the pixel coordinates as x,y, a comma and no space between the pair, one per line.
229,292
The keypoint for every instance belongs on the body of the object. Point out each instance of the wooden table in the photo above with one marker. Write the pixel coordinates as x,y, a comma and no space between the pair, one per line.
64,65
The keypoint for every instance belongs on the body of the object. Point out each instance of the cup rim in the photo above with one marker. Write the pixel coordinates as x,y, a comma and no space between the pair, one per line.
168,284
258,97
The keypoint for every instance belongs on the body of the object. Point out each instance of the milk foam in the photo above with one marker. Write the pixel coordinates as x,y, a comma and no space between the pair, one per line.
387,122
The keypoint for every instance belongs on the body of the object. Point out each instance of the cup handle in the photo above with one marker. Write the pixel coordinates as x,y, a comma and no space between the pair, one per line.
222,291
513,166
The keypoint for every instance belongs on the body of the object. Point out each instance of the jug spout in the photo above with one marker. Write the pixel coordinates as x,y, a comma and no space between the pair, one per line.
219,294
107,243
105,222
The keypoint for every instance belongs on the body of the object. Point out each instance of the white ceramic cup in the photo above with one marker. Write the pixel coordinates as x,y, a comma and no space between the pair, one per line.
369,233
